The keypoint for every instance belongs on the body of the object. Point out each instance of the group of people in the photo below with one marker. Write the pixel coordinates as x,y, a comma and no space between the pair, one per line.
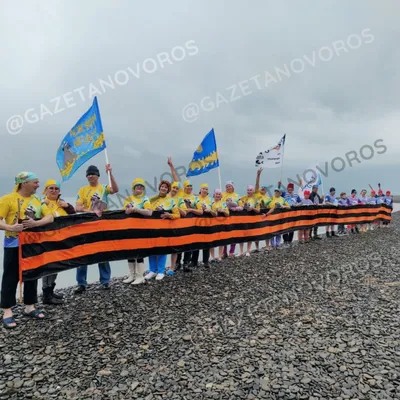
23,209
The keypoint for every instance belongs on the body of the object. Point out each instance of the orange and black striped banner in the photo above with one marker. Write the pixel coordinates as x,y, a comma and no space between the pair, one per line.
84,239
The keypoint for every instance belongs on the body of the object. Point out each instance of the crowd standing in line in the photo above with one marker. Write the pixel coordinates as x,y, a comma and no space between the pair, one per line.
23,209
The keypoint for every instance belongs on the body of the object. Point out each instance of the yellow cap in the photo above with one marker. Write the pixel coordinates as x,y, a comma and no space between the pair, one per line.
50,182
187,183
176,184
138,181
204,185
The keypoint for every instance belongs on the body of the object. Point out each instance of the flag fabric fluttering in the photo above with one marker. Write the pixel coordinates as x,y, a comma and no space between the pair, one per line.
82,142
205,158
313,179
273,157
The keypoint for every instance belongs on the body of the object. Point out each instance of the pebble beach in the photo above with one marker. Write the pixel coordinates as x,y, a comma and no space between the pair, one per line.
315,321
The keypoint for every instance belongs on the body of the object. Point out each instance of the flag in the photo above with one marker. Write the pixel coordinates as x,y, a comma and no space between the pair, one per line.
81,143
314,179
273,157
205,158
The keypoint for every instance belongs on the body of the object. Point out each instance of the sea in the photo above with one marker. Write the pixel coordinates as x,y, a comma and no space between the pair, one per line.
118,268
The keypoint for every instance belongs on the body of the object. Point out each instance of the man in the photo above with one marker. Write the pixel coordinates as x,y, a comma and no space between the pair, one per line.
58,207
293,199
276,202
342,202
20,210
316,199
93,198
388,200
330,200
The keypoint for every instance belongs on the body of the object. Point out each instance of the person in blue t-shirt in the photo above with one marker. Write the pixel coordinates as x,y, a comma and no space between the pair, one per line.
388,200
331,200
343,202
293,199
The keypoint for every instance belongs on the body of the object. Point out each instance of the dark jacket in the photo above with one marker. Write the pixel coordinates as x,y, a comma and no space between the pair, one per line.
315,198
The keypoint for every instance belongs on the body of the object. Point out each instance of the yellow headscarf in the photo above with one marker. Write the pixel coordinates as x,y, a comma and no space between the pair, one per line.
138,181
204,186
51,182
187,183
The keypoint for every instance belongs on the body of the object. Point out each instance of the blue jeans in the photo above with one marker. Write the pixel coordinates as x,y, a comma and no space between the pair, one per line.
157,264
276,241
104,270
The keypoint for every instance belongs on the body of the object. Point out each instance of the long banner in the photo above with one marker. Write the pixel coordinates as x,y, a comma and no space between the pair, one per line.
84,239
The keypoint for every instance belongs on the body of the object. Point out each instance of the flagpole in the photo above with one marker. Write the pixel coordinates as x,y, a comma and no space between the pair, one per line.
219,177
108,172
283,152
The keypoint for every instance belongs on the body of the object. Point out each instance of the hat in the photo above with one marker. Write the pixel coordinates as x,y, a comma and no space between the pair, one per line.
250,187
373,193
277,190
138,181
229,183
388,193
51,182
332,189
176,184
353,191
290,186
217,191
23,177
306,192
264,187
204,186
187,183
315,187
92,170
380,192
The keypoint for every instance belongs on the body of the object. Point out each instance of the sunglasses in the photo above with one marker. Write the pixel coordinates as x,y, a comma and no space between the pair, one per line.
53,188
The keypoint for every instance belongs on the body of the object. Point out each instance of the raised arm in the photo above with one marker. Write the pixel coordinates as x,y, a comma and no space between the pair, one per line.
257,187
114,185
173,170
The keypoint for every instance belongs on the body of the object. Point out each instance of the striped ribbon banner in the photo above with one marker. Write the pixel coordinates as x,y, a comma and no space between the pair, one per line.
84,239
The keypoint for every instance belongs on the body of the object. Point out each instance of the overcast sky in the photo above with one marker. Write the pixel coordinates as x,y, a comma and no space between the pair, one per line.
326,108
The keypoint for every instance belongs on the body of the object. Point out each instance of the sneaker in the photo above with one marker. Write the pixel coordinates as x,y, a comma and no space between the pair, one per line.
206,265
138,280
159,277
247,254
80,289
317,237
170,272
106,286
150,275
129,279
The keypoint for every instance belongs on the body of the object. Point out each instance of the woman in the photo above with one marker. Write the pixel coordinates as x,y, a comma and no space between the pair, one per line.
263,199
230,198
168,209
59,208
363,199
137,203
248,203
174,195
276,202
205,203
218,208
304,234
353,202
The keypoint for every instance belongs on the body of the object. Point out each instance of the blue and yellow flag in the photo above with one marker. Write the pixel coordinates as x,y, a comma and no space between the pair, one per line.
205,158
81,143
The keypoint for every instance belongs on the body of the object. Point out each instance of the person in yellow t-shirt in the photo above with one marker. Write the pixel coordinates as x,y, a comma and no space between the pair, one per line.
263,199
231,198
174,195
193,207
19,210
218,208
205,202
93,198
137,203
248,203
276,202
59,208
169,210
